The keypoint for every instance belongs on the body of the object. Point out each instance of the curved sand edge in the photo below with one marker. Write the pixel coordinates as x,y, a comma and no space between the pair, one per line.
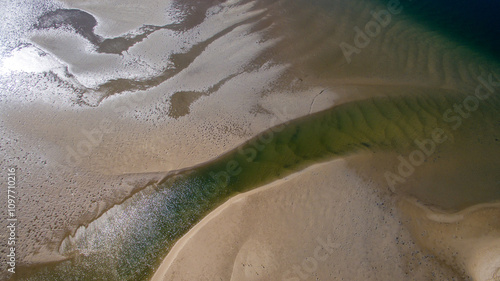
179,245
320,222
469,239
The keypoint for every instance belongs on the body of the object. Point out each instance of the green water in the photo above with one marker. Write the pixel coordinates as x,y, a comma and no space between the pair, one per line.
137,238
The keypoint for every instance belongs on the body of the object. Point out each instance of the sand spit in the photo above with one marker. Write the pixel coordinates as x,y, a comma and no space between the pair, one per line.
322,223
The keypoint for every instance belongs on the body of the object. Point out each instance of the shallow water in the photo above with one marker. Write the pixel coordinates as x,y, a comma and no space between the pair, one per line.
401,86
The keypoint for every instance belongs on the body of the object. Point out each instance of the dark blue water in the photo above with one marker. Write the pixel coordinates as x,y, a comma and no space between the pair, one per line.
472,23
